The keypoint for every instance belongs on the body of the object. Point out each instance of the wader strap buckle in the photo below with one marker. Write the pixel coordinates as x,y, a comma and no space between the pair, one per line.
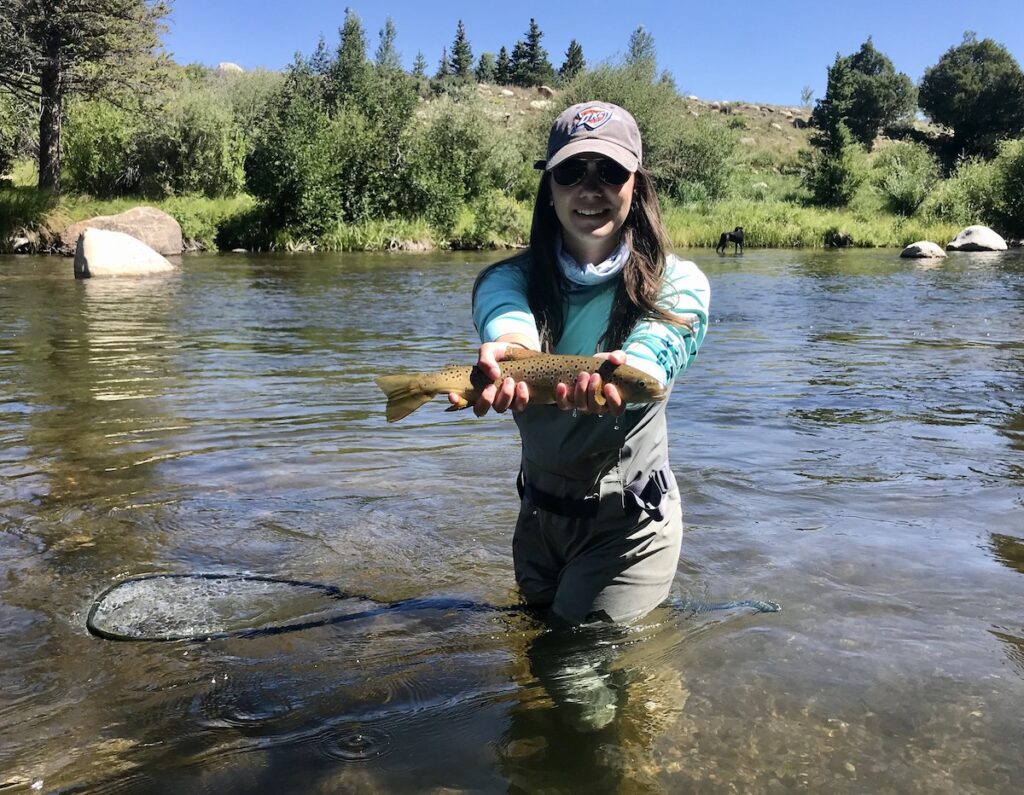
646,494
563,506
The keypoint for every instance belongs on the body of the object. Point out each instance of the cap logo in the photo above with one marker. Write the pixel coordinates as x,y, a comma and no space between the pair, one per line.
590,119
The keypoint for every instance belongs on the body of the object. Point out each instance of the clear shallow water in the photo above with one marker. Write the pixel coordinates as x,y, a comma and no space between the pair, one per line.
850,443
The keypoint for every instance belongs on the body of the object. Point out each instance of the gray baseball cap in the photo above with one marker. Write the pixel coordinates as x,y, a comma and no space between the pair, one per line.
594,128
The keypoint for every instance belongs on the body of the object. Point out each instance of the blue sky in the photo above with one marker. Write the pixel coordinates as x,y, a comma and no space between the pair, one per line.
763,51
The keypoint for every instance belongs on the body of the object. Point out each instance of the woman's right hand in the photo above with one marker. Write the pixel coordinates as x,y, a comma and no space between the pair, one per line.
508,394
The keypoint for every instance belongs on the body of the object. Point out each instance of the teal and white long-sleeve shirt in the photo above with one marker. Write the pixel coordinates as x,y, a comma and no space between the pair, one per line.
663,350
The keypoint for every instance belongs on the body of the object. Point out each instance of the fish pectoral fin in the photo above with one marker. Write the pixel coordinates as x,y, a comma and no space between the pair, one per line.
460,405
599,397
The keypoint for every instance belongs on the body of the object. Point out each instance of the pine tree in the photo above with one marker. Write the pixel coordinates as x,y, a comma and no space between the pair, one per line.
320,60
443,65
503,68
641,54
485,68
350,72
574,62
387,56
419,66
51,51
461,63
530,65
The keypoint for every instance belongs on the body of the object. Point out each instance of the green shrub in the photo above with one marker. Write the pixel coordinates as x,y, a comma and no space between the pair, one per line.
452,154
192,146
905,174
8,134
1008,211
967,197
697,163
98,147
498,222
834,168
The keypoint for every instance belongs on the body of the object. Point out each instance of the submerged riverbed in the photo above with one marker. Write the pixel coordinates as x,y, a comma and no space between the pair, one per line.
850,443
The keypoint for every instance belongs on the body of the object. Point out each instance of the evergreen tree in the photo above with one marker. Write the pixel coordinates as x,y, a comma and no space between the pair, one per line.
387,56
54,50
461,63
831,168
350,71
419,66
320,60
529,64
977,88
503,68
641,55
485,68
573,64
871,96
443,66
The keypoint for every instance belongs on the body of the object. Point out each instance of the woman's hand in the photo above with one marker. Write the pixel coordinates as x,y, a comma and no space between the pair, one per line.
586,395
510,394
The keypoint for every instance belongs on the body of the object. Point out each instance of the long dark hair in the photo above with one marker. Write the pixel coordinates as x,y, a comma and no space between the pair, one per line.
637,295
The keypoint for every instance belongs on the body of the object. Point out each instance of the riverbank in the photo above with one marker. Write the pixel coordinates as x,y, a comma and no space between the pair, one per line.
30,220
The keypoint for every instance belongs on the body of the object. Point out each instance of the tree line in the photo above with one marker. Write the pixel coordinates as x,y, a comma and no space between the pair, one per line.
975,93
342,135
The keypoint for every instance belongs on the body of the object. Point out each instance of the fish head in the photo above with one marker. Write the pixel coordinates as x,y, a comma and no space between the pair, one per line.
636,385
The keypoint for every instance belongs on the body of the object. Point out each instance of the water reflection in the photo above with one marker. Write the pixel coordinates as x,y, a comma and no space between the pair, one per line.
849,443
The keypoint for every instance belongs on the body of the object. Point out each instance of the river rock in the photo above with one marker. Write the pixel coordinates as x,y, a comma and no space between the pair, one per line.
153,227
923,249
977,238
102,252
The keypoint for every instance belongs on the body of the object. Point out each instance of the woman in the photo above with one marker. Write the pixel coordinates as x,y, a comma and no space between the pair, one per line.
600,524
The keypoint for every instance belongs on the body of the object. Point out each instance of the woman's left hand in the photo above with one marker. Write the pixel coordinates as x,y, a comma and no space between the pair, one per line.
584,397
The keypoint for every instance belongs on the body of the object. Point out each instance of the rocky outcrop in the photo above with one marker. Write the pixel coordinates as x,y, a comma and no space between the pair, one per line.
228,68
923,249
153,227
977,238
101,252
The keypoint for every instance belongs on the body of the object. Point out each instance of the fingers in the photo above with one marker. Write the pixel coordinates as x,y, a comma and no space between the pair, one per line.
490,354
504,395
499,397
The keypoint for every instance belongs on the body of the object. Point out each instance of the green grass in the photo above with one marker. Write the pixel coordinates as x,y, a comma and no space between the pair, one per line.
769,206
781,224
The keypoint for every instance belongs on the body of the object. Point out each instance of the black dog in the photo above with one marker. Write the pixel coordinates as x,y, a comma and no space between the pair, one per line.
735,237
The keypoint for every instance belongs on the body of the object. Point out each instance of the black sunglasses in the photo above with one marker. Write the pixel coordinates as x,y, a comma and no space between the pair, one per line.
572,172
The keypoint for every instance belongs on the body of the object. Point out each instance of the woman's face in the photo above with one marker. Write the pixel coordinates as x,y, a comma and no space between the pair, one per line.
592,211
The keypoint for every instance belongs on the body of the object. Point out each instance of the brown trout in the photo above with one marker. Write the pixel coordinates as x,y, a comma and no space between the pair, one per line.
542,371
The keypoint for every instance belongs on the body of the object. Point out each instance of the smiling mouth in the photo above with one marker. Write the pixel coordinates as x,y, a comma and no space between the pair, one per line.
590,213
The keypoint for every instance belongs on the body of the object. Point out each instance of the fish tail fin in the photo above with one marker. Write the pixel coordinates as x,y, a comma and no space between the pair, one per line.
405,395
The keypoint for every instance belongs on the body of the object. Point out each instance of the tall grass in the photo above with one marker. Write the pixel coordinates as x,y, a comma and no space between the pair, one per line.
790,225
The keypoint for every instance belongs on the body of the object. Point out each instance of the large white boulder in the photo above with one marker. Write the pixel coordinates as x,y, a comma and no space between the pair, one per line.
977,238
923,249
101,252
152,226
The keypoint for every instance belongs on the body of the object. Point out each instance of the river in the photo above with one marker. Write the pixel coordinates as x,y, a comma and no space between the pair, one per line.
849,443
